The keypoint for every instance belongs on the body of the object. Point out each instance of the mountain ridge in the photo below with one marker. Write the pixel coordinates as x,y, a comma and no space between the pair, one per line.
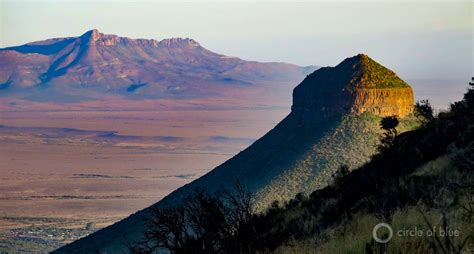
109,64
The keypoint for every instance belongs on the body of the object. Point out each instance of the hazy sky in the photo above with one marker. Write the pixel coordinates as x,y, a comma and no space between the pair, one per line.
417,39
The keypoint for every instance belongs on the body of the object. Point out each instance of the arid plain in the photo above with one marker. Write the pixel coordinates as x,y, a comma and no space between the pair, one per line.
67,169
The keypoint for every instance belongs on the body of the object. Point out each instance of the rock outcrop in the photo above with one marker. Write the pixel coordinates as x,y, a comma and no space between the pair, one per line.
384,101
356,85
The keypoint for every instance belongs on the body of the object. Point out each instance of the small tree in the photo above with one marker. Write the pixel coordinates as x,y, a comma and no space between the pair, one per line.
342,171
389,125
424,111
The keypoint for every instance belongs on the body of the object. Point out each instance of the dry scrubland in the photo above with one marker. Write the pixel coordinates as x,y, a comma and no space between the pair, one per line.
60,171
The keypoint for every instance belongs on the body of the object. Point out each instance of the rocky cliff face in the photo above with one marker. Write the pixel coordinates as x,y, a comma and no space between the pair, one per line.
384,101
356,85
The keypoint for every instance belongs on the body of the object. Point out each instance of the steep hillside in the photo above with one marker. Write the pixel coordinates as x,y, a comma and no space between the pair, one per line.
96,63
424,182
326,128
415,196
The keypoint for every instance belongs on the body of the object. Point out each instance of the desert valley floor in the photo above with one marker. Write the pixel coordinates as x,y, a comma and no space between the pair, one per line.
100,166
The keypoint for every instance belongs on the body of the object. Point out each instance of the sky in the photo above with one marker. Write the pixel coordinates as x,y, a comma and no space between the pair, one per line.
420,40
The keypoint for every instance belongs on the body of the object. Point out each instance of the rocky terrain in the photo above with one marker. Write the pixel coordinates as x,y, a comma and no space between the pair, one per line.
357,85
332,122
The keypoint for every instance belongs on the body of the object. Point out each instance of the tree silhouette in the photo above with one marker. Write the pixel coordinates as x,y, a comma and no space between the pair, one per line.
424,111
469,96
389,125
342,171
202,224
166,228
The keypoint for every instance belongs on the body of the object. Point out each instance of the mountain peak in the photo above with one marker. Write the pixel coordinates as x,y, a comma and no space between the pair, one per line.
91,35
361,58
364,72
356,85
361,61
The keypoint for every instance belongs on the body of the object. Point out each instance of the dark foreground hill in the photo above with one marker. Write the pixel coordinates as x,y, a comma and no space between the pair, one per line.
334,120
94,64
422,186
415,196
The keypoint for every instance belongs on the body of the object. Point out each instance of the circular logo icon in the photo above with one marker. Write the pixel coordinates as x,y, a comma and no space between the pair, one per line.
379,226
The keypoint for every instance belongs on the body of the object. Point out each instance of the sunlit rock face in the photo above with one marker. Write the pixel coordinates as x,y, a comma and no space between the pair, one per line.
356,85
384,101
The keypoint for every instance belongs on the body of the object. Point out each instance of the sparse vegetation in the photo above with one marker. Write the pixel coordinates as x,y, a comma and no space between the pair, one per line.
375,75
424,179
352,142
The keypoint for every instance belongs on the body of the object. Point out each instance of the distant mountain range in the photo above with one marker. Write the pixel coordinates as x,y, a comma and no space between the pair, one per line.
334,120
94,64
